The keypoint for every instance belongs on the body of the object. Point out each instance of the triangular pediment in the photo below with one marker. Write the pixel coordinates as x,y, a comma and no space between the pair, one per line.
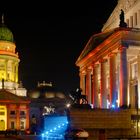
6,96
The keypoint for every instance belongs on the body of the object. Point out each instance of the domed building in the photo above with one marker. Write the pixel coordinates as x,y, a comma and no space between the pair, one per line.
46,99
9,62
14,108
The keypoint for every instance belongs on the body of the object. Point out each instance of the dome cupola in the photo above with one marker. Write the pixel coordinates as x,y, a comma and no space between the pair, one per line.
5,33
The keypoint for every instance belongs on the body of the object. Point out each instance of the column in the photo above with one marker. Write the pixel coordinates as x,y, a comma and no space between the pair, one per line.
18,117
103,84
82,81
16,72
88,85
138,80
123,76
6,61
81,78
8,116
95,86
27,117
92,85
113,78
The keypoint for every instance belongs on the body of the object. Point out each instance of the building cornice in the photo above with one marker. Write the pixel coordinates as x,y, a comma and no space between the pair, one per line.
122,37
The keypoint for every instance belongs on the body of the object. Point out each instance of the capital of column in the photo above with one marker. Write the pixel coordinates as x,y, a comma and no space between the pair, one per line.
89,69
103,60
82,72
95,65
111,54
123,47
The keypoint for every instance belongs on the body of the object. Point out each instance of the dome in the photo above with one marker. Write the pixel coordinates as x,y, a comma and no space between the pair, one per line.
46,92
6,34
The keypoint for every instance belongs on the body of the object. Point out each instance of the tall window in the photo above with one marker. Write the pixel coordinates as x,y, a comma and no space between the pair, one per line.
22,125
134,71
131,21
12,125
12,112
127,21
135,19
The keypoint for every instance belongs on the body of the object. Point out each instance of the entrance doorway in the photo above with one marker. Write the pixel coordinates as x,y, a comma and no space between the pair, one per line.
2,125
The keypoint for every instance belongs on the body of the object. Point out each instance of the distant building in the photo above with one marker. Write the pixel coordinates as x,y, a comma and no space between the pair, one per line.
110,63
14,111
9,62
45,99
14,106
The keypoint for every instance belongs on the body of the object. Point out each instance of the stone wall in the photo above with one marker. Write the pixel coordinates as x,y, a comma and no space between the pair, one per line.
101,119
116,123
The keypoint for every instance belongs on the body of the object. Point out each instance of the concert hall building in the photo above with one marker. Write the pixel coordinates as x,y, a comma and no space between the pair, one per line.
109,65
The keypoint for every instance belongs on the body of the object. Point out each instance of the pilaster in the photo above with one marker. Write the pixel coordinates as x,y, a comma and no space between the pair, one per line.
138,80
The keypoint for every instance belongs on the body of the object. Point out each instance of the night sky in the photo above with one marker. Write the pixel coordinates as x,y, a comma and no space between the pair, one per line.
50,36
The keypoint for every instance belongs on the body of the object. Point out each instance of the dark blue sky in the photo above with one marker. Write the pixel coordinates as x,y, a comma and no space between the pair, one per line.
50,36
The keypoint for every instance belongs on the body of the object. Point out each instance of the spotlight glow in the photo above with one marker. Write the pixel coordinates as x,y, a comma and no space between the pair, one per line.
113,106
68,105
42,135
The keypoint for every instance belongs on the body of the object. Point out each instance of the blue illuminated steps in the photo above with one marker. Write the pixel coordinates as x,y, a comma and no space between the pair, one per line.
55,127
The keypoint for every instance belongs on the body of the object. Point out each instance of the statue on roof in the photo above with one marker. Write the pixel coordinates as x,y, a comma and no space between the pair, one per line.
122,20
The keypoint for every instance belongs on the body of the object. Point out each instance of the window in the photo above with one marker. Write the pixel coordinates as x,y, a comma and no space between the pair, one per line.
2,113
22,125
127,21
8,76
134,71
135,19
12,125
12,112
131,21
22,112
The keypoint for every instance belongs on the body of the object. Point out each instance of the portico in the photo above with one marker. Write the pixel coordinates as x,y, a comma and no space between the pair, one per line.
110,68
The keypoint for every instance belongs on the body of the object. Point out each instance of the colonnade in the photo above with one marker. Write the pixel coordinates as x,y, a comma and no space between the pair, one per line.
104,82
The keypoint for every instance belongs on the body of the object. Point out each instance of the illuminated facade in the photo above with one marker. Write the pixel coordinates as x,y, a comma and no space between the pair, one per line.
14,111
45,99
110,62
132,14
9,62
14,108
